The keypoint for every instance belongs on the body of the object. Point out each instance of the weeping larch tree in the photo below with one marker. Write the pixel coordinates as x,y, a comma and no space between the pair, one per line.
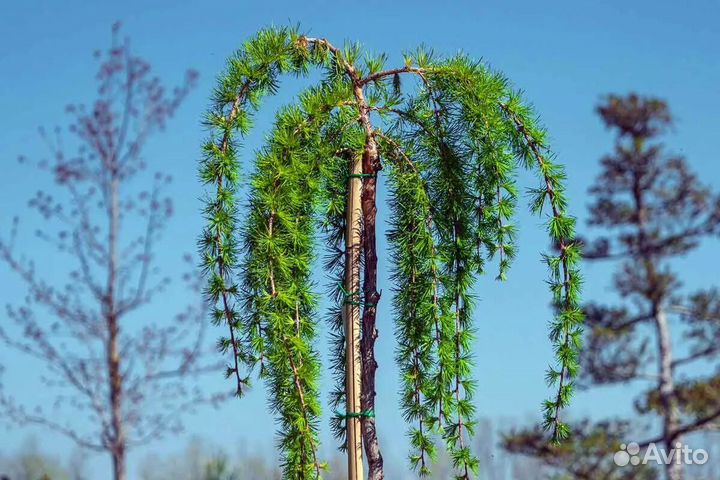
450,135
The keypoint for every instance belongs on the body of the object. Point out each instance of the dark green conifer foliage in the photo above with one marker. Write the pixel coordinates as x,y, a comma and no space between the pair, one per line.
449,134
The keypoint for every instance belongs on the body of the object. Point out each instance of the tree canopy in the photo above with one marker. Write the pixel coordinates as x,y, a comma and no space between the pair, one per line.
450,133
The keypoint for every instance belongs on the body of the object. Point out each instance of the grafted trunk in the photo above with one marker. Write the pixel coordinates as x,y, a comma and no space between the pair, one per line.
371,165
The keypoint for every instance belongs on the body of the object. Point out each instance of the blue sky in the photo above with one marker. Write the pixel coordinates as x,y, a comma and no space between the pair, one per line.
565,55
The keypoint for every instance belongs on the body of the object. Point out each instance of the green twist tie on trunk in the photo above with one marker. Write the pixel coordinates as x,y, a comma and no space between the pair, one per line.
365,414
362,175
349,295
360,304
345,292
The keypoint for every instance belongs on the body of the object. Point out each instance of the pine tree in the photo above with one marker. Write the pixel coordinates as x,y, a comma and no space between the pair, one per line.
652,210
450,133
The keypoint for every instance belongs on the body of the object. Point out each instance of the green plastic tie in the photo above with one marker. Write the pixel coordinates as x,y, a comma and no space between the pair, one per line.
345,292
365,414
362,175
349,295
360,304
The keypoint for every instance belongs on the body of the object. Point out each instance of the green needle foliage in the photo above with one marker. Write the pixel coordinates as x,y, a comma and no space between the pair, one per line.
450,134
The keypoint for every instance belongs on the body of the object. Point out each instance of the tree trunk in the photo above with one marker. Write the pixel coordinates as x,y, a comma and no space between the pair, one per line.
674,470
117,433
656,295
371,165
118,459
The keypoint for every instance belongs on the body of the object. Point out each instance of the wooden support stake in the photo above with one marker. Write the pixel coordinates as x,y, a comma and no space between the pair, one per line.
351,313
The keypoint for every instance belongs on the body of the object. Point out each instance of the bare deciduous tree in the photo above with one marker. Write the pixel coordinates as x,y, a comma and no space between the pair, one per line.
130,370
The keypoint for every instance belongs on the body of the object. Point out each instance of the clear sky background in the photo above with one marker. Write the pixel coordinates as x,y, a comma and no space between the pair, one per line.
564,54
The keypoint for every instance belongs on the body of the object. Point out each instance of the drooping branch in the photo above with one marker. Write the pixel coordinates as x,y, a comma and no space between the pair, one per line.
566,331
279,240
415,300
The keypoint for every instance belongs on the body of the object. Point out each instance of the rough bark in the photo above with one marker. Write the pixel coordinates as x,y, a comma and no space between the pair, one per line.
371,165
